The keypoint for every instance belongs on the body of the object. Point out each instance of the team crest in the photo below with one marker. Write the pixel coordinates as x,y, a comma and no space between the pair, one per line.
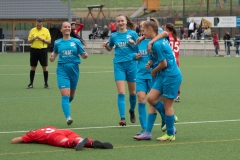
129,36
72,44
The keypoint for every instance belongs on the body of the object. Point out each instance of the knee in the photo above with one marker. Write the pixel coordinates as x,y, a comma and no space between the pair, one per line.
141,99
151,100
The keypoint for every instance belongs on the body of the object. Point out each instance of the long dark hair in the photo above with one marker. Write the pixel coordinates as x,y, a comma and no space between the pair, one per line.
172,29
72,34
130,24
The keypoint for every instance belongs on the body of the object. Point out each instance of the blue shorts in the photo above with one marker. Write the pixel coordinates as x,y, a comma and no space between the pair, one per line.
125,71
168,86
67,75
143,85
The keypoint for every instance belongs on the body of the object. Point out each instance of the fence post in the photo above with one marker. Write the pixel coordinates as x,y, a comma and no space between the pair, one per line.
204,43
184,47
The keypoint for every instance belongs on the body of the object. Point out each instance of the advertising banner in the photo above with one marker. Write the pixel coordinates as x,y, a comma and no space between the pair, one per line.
215,22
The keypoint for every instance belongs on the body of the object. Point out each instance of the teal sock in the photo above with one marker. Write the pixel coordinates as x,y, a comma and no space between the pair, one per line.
150,122
159,106
70,99
66,106
142,114
121,105
170,124
133,99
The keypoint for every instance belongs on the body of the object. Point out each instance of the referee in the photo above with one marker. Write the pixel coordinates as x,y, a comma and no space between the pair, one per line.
39,38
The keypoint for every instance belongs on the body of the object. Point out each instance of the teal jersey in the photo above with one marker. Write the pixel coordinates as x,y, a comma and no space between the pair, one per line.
160,30
142,71
162,51
124,51
68,50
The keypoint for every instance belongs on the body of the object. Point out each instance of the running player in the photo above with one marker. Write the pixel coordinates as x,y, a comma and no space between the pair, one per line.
60,138
124,64
68,49
168,79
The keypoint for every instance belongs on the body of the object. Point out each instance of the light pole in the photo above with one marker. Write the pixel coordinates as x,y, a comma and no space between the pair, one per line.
69,11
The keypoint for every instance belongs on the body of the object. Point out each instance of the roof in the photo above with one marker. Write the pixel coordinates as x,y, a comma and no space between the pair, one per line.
33,9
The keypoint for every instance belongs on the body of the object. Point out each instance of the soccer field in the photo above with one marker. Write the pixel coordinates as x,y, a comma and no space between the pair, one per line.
208,113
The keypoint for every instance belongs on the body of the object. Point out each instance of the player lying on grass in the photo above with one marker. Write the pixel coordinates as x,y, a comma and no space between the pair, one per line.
61,138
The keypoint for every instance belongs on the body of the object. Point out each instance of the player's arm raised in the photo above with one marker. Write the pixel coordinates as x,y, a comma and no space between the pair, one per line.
159,36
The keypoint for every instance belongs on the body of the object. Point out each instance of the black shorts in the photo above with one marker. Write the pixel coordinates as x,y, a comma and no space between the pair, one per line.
40,55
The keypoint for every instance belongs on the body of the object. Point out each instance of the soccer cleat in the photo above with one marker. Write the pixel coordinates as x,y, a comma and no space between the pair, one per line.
177,99
122,122
166,137
81,144
30,86
164,128
143,136
69,121
141,132
102,145
132,116
46,86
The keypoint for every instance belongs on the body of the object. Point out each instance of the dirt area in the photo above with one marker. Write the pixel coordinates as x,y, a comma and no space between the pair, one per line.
164,12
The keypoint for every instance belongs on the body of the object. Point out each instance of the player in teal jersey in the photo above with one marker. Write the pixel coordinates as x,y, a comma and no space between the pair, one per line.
68,49
168,79
124,64
143,80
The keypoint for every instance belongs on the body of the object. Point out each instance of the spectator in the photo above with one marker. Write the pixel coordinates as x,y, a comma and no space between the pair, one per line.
60,138
207,32
182,30
236,44
138,29
113,27
194,34
94,32
215,43
199,31
39,38
191,27
78,29
104,32
227,43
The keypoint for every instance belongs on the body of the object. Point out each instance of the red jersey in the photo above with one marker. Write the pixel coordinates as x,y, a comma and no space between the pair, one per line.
175,46
77,30
39,135
113,27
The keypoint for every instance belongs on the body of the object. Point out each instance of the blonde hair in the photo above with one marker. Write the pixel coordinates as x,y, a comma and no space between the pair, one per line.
152,24
155,20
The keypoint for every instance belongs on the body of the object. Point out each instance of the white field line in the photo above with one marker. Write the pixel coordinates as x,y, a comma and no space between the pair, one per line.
103,127
27,74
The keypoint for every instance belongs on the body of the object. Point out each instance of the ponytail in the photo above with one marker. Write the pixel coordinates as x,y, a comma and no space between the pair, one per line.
74,35
172,29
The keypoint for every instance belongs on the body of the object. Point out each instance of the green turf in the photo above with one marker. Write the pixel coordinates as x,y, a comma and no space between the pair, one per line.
209,92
